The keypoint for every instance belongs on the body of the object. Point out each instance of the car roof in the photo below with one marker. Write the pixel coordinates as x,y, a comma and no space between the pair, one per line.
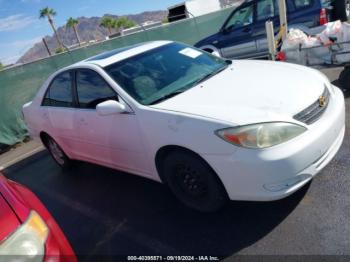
119,54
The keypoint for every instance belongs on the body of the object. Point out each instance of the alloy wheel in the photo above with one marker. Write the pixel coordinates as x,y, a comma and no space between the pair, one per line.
56,151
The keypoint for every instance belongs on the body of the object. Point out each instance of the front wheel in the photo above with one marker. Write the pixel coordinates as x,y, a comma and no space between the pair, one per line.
193,182
58,154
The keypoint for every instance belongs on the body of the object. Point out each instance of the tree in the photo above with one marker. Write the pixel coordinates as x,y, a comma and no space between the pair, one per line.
59,50
123,23
49,13
1,66
72,23
107,22
165,20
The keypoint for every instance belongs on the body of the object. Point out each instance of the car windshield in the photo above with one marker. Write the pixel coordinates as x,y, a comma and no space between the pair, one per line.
163,72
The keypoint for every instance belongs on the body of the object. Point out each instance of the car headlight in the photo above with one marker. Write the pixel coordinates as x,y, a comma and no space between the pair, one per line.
27,243
261,135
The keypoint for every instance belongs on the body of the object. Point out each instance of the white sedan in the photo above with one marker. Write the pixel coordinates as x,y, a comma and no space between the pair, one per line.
211,129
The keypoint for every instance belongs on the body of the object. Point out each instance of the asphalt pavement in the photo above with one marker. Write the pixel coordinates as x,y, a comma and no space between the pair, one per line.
103,211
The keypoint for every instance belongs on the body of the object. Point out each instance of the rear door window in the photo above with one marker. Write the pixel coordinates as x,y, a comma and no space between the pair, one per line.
92,89
59,93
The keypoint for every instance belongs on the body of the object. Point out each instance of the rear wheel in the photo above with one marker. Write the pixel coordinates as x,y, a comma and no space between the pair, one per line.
193,182
57,153
341,10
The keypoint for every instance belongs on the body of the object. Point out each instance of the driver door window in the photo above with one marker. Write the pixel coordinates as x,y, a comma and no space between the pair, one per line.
240,18
265,10
92,89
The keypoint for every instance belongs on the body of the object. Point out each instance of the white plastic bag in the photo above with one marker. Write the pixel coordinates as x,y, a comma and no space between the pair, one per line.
346,32
333,30
311,42
294,38
319,55
343,55
295,56
316,52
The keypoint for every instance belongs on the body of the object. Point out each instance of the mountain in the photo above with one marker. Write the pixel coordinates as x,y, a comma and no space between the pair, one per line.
88,29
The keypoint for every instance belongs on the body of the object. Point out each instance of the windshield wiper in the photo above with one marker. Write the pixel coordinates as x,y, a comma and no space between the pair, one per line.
167,96
207,76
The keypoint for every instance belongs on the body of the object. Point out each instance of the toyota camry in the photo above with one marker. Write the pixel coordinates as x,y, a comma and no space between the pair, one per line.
211,129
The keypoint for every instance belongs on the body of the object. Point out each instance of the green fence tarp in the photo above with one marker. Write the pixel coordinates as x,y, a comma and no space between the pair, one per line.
18,85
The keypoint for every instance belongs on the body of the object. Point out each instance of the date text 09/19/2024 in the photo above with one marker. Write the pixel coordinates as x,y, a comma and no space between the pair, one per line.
172,258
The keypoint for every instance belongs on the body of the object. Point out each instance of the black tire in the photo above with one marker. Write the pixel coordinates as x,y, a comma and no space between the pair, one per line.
341,10
344,79
57,153
193,182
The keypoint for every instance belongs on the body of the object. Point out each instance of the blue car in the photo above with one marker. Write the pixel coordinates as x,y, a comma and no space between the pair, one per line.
243,34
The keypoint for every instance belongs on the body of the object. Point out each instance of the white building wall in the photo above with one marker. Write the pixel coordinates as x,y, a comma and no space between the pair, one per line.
202,7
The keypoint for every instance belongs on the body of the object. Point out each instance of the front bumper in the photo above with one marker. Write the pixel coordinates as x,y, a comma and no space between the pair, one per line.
276,172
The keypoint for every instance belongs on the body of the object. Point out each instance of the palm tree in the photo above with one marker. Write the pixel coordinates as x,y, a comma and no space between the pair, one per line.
107,22
123,23
114,25
49,13
72,23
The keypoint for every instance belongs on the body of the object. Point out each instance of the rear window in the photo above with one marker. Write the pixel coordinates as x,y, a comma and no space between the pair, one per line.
59,93
303,3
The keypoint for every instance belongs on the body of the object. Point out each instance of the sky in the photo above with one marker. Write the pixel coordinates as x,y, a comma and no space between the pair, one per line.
20,26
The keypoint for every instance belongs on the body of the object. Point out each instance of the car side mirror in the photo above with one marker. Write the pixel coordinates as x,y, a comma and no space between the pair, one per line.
110,107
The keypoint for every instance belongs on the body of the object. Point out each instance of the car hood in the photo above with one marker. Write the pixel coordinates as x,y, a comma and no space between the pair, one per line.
251,92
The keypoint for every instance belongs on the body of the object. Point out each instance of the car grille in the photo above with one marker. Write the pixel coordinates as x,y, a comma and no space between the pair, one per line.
313,112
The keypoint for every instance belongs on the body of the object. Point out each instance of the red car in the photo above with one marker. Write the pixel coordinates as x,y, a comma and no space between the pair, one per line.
26,227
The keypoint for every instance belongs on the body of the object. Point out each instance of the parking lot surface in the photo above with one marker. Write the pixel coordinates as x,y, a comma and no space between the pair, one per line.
103,211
